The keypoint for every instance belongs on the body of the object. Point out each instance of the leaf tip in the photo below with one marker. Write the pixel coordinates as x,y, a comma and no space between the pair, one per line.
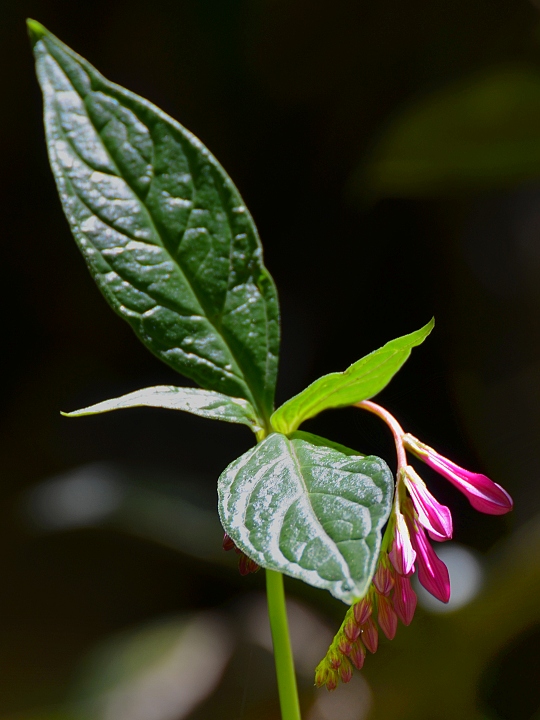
35,30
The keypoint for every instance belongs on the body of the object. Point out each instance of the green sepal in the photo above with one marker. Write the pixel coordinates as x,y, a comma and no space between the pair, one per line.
205,403
362,380
309,508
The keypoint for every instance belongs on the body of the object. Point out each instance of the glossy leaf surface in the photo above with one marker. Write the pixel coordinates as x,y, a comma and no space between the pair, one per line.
309,508
207,404
362,380
164,231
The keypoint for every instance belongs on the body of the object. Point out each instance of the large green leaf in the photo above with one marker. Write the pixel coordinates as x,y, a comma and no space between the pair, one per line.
205,403
163,229
309,508
362,380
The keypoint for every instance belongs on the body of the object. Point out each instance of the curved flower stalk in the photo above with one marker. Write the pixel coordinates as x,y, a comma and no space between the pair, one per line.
416,516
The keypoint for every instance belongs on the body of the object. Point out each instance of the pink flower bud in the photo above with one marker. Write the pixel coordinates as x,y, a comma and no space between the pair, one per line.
436,518
483,494
352,629
331,680
344,645
358,655
387,617
321,674
432,572
246,565
345,671
370,635
362,610
383,578
402,554
334,659
404,600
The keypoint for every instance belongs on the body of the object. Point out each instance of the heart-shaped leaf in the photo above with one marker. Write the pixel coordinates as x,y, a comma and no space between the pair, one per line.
205,403
308,508
163,229
362,380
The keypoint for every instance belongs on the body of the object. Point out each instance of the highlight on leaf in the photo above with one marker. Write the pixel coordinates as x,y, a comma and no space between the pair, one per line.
362,380
308,508
164,231
204,403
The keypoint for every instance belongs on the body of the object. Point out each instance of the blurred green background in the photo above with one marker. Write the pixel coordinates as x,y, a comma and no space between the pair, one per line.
390,154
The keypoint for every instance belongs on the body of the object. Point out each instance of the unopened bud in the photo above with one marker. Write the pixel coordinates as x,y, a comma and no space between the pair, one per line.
370,635
332,680
362,611
358,654
383,578
387,617
352,629
334,659
344,645
321,673
345,671
228,543
246,565
404,600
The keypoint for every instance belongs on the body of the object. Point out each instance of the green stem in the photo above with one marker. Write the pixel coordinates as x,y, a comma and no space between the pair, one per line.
277,612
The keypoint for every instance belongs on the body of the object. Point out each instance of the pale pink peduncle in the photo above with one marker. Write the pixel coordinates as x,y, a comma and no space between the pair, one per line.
395,427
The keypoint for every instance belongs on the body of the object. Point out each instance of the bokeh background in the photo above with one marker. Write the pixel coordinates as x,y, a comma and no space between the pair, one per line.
390,154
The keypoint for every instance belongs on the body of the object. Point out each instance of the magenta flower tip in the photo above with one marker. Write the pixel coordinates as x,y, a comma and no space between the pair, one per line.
484,495
436,518
432,572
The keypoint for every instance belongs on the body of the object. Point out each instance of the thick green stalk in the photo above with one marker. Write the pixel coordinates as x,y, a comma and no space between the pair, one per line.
277,612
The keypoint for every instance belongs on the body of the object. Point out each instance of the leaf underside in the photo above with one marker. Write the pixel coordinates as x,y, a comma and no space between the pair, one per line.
362,380
164,231
204,403
308,508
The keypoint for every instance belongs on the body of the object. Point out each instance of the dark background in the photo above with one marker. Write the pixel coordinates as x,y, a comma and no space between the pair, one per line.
304,104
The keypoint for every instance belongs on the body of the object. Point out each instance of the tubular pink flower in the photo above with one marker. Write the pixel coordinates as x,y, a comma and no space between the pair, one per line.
404,600
387,617
484,495
402,554
436,518
432,572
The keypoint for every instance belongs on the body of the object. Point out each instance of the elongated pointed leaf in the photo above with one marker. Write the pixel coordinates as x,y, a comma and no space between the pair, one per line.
205,403
309,508
165,233
362,380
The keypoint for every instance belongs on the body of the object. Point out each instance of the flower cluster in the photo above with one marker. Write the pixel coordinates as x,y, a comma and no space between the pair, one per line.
415,518
391,597
245,564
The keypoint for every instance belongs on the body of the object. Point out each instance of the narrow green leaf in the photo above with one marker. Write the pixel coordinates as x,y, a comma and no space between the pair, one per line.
362,380
310,509
165,233
208,404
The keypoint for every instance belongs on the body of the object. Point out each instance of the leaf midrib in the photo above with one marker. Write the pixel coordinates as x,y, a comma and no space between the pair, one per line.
298,466
321,400
150,218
